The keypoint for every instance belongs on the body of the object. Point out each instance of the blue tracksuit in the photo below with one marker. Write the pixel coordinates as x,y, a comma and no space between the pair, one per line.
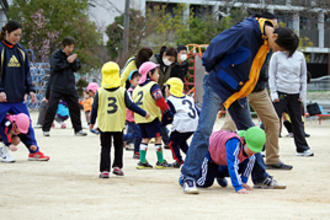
211,170
15,81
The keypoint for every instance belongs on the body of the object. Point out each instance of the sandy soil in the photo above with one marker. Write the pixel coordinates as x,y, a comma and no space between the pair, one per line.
68,187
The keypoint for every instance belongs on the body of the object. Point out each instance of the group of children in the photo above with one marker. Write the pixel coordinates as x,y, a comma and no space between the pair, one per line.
147,111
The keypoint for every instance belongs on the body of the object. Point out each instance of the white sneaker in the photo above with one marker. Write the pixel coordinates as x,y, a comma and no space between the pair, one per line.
5,156
46,133
129,147
306,153
269,183
189,187
38,126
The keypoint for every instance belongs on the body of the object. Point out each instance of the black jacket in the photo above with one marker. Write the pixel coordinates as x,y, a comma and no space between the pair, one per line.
15,77
180,70
62,72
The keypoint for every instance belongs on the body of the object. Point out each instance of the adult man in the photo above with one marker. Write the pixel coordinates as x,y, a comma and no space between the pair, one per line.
233,60
63,65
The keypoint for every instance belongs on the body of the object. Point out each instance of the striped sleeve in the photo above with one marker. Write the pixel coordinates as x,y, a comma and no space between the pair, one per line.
247,169
232,149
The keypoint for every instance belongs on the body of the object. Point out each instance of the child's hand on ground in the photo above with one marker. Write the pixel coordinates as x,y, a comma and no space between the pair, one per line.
147,115
243,191
247,187
33,147
13,147
91,126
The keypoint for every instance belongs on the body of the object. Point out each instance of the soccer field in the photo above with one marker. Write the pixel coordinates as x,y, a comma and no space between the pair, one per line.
68,187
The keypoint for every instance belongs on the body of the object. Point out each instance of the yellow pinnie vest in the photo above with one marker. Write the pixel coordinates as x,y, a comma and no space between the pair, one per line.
111,112
143,98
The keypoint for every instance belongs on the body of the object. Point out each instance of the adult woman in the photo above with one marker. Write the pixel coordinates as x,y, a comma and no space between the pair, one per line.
165,59
287,83
15,82
134,63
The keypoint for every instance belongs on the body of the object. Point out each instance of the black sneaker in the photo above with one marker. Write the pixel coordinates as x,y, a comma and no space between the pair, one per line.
279,166
162,165
176,164
142,166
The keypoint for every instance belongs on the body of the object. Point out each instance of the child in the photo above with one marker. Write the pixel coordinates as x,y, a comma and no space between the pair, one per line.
87,105
185,119
133,131
109,108
62,113
230,154
12,129
149,97
91,90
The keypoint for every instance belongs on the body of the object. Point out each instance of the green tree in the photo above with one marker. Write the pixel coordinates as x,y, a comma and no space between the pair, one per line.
64,18
115,33
159,28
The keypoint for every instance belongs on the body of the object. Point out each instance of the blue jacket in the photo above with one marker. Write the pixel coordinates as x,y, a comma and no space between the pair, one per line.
15,77
234,59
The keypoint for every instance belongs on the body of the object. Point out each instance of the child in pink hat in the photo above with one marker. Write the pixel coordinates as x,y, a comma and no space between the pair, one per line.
12,129
148,96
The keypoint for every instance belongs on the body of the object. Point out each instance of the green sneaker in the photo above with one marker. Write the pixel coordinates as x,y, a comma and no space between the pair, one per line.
163,165
142,166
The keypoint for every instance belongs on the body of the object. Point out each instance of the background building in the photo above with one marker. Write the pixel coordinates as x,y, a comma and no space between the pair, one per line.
309,18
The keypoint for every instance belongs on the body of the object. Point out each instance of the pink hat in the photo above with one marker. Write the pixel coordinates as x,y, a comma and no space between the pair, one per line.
22,122
93,87
145,68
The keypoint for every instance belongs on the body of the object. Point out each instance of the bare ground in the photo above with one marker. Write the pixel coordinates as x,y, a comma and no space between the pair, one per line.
68,187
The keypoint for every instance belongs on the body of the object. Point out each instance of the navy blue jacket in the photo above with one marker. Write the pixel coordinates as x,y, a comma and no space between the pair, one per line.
230,56
15,77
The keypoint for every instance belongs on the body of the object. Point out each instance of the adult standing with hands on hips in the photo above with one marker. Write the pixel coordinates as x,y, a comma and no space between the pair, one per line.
15,82
63,64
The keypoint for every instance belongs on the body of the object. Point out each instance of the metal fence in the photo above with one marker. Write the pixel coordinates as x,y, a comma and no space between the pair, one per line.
40,74
319,84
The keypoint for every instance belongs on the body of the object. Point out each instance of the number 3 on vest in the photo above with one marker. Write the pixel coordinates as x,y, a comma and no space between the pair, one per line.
112,105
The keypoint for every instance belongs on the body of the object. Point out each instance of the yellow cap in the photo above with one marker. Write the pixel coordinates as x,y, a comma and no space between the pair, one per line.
110,75
176,86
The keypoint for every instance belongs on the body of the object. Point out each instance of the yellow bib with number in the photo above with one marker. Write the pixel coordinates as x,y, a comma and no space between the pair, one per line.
111,112
143,98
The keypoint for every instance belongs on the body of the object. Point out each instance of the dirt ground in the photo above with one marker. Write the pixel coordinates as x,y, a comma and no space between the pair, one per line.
68,187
